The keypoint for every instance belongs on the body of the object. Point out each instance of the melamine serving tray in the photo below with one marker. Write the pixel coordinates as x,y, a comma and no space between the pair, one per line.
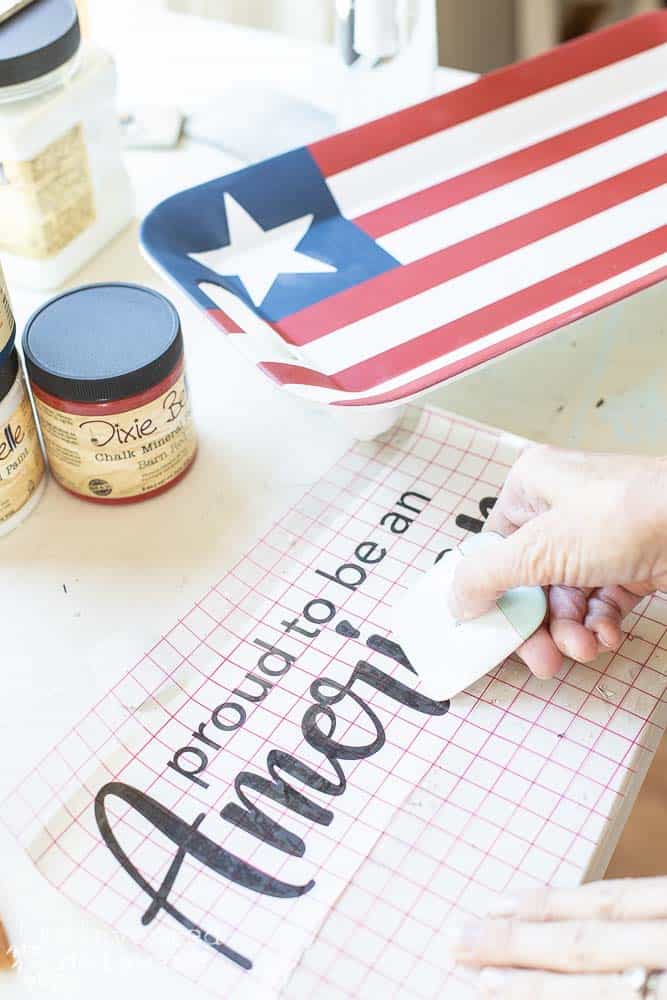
368,267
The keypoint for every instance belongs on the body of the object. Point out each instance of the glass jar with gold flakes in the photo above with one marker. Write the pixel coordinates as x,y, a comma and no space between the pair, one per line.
64,191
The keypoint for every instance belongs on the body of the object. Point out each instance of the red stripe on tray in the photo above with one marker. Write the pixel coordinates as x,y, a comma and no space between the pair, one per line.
496,89
286,374
225,322
398,360
403,283
510,168
409,389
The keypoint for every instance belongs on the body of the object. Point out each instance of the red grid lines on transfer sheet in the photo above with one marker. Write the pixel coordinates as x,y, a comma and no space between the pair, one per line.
522,782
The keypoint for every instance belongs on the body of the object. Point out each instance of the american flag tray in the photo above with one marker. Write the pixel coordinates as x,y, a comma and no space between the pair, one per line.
373,265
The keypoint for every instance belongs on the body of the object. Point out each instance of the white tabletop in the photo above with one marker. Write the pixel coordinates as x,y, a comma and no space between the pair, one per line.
84,591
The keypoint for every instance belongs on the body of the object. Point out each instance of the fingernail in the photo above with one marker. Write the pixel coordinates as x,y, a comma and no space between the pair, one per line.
492,982
503,906
464,940
568,649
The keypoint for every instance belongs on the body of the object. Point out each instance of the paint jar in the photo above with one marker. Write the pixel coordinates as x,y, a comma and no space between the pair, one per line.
22,471
64,191
106,367
7,324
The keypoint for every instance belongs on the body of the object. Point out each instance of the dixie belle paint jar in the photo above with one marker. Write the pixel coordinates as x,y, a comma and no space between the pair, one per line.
106,367
22,471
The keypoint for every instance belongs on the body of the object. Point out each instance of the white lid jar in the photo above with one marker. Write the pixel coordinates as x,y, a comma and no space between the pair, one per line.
64,191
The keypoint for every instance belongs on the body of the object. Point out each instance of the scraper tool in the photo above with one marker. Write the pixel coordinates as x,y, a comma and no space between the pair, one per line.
447,655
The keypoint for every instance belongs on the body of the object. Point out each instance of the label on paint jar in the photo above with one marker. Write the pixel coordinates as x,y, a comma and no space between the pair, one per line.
48,201
21,460
115,456
6,317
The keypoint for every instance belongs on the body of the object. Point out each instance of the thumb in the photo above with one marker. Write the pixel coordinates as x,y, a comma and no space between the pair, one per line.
530,556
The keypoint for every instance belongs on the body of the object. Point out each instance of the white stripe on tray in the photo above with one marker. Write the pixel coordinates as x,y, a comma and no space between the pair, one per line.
426,236
417,165
578,301
484,285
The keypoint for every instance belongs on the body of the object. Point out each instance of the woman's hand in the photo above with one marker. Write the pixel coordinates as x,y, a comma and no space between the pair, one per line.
590,528
604,941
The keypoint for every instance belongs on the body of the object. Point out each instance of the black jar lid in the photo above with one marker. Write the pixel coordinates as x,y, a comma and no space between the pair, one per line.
38,40
9,369
102,343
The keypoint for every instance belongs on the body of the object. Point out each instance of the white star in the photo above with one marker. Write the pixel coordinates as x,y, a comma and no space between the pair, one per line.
257,256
